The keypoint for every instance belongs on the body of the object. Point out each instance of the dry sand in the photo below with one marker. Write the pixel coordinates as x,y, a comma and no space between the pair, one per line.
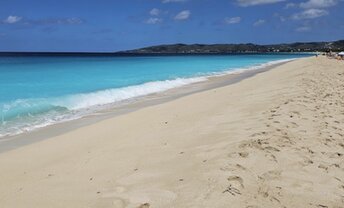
272,140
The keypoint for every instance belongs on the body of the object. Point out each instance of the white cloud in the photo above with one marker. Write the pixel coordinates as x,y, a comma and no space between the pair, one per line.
290,5
245,3
42,22
60,21
312,4
153,20
259,22
172,1
12,19
73,21
183,15
310,14
232,20
303,29
155,12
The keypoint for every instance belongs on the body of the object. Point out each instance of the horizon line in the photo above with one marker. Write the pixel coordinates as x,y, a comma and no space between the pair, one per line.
126,51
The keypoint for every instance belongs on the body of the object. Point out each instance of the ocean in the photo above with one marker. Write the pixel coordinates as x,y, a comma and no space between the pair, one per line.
37,91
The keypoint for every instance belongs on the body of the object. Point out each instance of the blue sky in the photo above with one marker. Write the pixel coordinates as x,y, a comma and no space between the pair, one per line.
112,25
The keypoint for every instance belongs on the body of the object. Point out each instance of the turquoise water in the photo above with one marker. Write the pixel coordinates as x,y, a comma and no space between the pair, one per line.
39,91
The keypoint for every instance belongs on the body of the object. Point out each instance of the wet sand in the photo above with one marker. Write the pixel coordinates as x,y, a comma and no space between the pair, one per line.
112,110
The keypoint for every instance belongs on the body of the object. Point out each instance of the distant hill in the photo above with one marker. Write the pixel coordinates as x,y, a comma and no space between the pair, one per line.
239,48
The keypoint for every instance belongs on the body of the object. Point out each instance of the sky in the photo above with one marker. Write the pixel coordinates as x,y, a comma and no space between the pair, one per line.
114,25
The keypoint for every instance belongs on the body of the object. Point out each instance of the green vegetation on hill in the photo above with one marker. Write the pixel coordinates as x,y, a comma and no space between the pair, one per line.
241,48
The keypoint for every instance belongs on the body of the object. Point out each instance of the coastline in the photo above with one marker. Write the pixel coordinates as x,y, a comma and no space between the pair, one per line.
111,110
274,139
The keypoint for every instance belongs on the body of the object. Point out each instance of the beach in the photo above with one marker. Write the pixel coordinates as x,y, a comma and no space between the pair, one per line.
275,139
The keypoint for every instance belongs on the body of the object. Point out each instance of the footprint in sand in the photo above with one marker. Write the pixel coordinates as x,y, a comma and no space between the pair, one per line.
233,167
236,179
243,154
145,205
270,156
236,183
322,166
294,125
270,148
335,155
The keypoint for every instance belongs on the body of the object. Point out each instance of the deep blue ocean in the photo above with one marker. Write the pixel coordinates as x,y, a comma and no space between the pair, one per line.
38,91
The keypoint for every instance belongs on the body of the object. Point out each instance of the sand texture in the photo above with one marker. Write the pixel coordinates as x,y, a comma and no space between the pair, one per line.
272,140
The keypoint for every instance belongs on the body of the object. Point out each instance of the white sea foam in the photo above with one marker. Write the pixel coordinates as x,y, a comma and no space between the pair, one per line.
254,67
79,105
80,101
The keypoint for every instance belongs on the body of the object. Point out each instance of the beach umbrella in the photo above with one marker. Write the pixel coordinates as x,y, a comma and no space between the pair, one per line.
341,53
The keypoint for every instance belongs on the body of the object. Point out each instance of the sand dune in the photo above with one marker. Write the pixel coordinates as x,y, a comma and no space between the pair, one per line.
272,140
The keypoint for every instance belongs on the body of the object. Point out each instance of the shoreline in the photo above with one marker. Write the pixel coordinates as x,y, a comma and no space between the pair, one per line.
275,139
214,81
